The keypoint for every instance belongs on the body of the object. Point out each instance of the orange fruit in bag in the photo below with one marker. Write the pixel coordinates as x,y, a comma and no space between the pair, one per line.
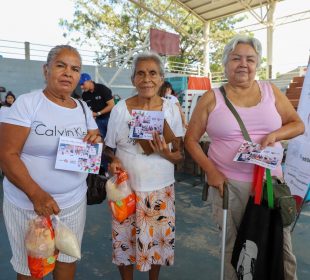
40,267
122,209
40,245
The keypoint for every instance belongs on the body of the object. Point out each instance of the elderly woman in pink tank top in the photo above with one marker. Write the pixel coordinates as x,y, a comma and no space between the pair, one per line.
269,118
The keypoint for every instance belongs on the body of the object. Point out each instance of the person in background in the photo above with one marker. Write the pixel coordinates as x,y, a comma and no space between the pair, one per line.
146,238
9,100
29,137
269,118
100,100
167,92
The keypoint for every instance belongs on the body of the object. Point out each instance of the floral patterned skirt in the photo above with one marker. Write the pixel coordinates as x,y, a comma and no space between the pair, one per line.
148,236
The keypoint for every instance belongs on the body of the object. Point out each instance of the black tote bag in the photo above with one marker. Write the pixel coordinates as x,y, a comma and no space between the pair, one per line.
258,249
96,191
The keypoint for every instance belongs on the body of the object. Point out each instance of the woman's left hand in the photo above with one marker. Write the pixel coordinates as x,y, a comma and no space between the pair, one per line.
93,137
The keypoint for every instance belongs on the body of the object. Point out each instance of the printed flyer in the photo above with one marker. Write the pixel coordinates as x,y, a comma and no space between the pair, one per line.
143,123
75,155
249,152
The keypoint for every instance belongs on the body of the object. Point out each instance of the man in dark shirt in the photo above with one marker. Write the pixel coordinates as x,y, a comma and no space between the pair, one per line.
100,100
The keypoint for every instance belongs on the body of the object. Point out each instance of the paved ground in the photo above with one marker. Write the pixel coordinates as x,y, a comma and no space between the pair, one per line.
197,256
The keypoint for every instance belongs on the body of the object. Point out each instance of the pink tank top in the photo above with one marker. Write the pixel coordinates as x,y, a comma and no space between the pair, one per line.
226,136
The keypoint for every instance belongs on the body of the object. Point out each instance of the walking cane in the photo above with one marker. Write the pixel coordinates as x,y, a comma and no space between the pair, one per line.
225,208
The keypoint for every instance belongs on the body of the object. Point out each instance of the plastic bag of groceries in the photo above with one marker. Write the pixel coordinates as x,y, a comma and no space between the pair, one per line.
65,240
40,246
122,199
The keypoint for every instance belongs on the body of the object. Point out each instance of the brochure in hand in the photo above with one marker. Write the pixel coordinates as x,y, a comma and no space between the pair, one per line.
143,123
75,155
249,152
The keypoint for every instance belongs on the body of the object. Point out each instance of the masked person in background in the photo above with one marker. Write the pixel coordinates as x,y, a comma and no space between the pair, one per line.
148,235
268,116
29,137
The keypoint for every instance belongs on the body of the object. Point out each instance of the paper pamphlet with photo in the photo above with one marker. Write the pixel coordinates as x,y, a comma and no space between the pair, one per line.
250,152
75,155
143,123
168,135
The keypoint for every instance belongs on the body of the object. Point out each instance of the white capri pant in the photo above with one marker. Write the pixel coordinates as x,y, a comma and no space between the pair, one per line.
16,222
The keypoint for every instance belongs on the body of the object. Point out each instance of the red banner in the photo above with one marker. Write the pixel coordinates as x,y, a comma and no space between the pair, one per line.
164,43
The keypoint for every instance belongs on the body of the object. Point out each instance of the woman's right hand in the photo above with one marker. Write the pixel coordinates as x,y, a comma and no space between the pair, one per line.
216,179
44,204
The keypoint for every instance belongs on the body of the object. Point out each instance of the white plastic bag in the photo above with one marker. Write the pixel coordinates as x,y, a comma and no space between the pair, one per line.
65,240
40,246
39,238
117,187
122,199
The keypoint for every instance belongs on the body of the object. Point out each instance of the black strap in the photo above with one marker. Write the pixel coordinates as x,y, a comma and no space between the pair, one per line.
85,113
235,113
83,110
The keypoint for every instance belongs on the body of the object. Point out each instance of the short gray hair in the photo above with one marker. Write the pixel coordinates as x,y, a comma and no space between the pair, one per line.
147,55
57,49
239,39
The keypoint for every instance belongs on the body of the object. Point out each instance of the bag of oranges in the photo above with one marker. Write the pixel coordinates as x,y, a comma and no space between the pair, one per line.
122,199
40,245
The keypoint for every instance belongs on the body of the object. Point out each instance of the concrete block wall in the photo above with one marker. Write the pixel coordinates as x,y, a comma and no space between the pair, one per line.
22,76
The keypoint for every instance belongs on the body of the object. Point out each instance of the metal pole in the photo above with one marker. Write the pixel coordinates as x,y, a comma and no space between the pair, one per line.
224,229
27,50
270,28
206,50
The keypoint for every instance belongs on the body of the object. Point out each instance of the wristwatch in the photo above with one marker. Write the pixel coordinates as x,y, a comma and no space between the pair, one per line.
98,113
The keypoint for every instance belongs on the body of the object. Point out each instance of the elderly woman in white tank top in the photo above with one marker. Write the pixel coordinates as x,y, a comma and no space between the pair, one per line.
269,118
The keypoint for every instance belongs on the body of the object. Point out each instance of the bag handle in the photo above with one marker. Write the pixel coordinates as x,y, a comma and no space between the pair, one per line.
257,188
81,103
258,185
244,131
270,194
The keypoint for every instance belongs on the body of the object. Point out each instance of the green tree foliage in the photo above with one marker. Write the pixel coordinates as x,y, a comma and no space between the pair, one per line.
119,26
114,26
